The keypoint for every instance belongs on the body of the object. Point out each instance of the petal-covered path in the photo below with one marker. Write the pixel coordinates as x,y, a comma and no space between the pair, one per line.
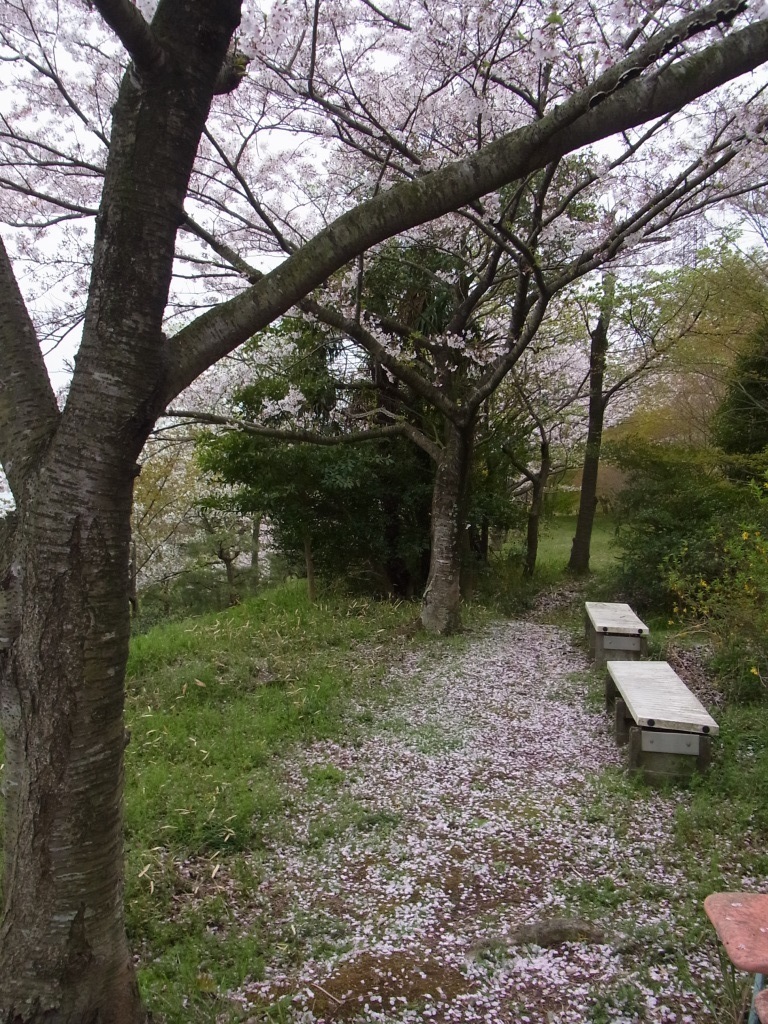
474,853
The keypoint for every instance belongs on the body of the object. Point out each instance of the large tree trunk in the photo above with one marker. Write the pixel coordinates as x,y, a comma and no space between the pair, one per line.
582,541
64,957
441,605
63,951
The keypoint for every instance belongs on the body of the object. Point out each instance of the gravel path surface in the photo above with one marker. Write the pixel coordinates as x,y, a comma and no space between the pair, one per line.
463,859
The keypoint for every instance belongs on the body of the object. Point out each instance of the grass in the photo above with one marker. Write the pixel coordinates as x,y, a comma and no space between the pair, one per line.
212,704
555,545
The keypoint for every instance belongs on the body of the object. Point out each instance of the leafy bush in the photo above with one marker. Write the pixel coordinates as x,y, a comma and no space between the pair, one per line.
695,545
730,598
674,503
198,590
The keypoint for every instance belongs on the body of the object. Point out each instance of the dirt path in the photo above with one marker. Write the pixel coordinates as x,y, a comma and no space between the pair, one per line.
467,857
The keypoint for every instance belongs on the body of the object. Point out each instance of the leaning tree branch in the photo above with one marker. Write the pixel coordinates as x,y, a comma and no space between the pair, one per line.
28,410
366,340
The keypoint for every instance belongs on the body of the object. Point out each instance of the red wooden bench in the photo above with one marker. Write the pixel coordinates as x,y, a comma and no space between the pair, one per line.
741,923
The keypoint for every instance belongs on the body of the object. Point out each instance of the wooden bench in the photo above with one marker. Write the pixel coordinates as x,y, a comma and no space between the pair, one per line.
672,732
614,632
741,923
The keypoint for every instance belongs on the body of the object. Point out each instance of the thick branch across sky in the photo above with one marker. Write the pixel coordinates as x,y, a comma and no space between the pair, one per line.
614,103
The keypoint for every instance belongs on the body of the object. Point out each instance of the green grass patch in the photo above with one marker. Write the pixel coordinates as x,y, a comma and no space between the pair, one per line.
556,538
212,704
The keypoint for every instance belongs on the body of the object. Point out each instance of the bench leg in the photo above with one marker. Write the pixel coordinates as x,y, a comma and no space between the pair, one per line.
635,740
621,719
758,987
611,693
598,649
704,759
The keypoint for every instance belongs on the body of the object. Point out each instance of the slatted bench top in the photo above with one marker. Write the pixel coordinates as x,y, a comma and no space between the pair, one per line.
609,617
657,698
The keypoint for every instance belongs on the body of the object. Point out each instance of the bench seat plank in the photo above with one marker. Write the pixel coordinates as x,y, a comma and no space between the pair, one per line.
657,698
741,923
609,617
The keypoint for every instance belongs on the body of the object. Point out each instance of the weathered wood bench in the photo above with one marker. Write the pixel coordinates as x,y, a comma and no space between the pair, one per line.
614,632
741,923
668,729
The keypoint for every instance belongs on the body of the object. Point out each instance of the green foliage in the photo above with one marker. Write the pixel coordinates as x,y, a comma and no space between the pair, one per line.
694,545
741,422
673,504
363,508
418,285
729,597
360,509
193,592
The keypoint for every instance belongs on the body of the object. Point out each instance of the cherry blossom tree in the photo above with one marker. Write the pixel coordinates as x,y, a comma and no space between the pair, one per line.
442,318
139,175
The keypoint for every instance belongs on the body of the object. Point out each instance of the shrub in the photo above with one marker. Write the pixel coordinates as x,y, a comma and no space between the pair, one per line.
695,544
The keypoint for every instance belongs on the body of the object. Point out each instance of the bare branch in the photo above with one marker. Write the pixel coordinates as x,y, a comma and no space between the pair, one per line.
386,17
401,428
133,32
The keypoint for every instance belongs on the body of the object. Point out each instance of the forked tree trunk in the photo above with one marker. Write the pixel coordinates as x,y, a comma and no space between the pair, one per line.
232,595
441,604
63,950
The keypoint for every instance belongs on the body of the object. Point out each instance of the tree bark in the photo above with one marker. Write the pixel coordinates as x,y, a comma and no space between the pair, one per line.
63,951
64,957
228,556
539,485
598,351
441,604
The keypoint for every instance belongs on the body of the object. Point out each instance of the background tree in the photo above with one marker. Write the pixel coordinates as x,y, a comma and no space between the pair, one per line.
120,140
726,290
638,327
